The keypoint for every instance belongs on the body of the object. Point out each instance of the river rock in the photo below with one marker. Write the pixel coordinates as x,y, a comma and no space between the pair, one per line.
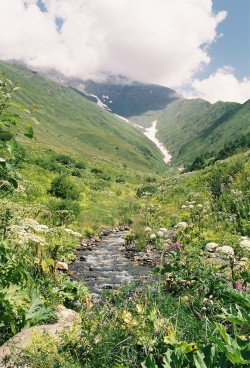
62,266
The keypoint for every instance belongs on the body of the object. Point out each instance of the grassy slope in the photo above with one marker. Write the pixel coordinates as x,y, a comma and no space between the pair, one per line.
184,122
189,128
72,123
193,127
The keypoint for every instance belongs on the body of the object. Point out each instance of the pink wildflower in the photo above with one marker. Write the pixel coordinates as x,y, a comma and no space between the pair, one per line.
238,286
177,245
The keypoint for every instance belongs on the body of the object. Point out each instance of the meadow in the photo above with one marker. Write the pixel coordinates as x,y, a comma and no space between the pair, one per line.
194,312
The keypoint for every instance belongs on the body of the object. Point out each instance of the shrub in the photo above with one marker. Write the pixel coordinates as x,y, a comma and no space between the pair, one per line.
62,187
146,190
65,159
77,173
80,165
95,170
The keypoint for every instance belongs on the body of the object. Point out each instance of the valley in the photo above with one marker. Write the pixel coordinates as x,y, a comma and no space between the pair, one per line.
91,200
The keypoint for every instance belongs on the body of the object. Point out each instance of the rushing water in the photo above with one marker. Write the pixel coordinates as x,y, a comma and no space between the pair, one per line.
106,266
150,133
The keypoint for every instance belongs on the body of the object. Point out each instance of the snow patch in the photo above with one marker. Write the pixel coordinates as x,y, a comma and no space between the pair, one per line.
150,133
101,104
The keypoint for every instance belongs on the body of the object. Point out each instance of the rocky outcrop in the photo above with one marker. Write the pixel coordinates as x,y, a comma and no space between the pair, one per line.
11,351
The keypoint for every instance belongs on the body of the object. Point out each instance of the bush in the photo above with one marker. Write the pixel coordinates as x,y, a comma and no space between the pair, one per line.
77,173
146,190
65,159
62,187
80,165
95,170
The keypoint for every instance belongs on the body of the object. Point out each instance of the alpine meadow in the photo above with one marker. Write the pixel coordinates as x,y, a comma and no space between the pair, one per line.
124,221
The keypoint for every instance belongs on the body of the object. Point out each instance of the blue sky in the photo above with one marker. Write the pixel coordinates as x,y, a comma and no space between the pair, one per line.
233,48
200,48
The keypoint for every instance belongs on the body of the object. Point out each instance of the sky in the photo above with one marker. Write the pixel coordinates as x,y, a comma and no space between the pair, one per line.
200,48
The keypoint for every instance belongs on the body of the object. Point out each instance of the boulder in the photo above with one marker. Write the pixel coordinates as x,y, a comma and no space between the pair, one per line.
62,266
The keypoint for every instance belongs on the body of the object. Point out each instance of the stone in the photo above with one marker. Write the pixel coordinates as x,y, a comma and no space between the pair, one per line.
62,266
11,350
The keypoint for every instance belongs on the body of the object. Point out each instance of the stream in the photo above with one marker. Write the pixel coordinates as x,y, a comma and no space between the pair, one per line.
106,266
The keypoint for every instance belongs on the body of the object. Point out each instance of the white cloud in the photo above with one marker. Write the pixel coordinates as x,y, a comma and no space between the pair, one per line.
222,85
158,41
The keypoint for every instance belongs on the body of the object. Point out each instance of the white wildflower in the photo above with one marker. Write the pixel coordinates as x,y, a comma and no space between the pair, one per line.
147,229
211,247
160,234
164,230
226,250
182,224
245,243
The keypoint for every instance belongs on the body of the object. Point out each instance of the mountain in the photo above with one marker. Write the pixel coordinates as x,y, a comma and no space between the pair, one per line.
68,121
131,99
187,128
118,94
191,128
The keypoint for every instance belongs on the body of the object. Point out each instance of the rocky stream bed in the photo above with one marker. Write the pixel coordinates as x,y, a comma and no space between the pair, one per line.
106,262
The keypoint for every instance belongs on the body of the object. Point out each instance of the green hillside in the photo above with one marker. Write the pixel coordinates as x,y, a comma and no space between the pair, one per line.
68,121
191,128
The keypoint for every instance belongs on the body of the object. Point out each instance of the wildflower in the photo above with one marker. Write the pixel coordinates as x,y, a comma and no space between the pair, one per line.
164,230
147,229
160,234
239,286
185,298
211,247
177,245
199,205
226,250
152,237
245,243
182,224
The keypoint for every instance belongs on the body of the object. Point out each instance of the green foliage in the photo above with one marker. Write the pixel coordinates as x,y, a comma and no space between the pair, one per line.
64,211
62,187
69,123
146,190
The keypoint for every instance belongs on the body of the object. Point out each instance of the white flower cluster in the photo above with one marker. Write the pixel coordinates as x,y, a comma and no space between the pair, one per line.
245,243
211,247
72,232
225,250
23,234
29,230
182,225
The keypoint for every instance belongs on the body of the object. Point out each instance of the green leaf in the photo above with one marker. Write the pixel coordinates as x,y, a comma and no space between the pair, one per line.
13,182
29,132
19,106
2,162
149,362
199,360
